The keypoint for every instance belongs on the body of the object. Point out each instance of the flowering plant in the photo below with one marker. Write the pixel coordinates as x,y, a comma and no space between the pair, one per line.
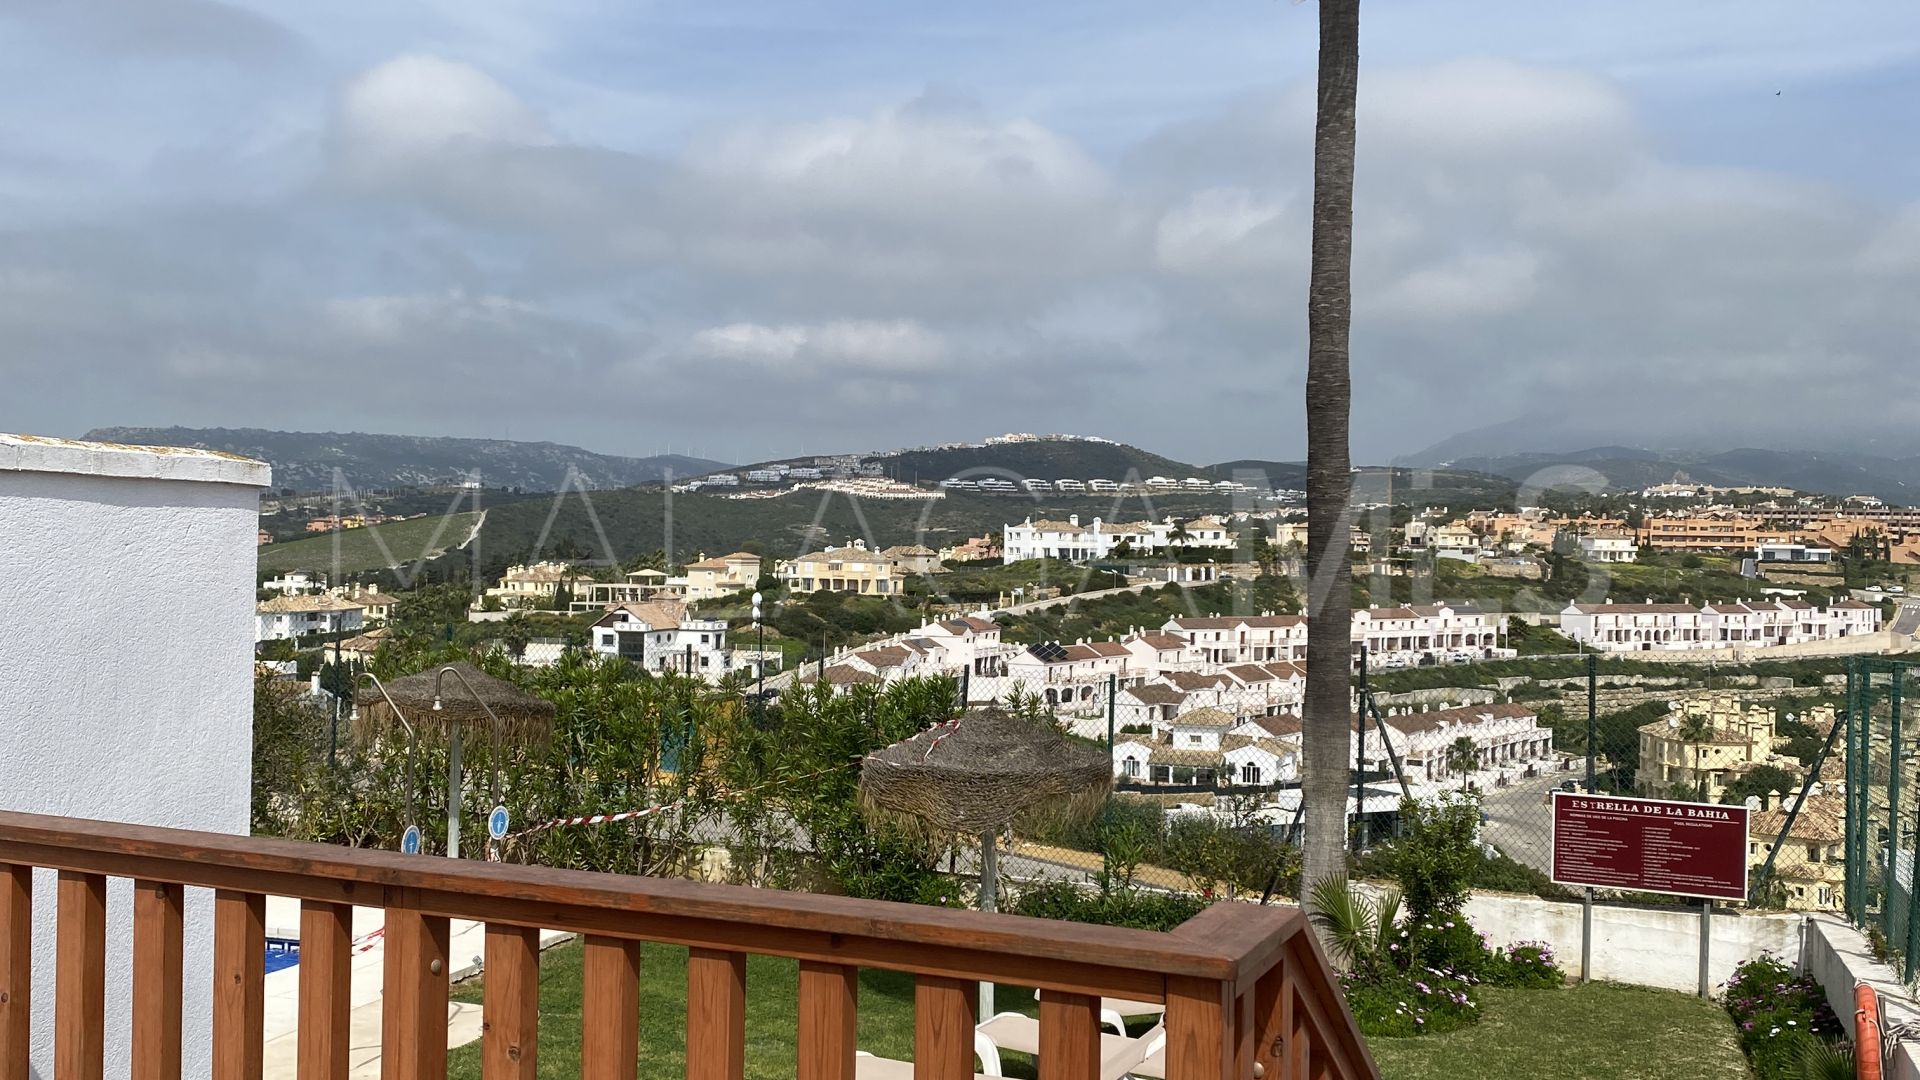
1781,1016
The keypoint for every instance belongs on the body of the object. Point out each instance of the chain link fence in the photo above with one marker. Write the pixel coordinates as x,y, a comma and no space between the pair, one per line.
1207,767
1878,809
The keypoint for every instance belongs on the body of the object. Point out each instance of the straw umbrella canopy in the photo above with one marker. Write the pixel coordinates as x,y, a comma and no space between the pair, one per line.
524,717
981,772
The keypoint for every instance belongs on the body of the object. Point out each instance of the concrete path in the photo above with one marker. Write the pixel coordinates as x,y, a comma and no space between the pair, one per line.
466,947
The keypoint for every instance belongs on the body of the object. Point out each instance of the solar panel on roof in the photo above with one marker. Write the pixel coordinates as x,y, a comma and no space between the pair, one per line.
1049,651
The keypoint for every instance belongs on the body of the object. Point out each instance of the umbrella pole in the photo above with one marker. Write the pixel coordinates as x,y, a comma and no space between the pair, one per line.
453,792
989,901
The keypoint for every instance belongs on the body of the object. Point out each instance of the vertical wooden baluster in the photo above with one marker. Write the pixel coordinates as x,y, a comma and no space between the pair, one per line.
80,978
1269,1023
1296,1022
157,969
413,1020
510,1013
829,1007
1069,1036
1243,1034
239,983
16,969
326,988
716,1014
610,1009
944,1014
1199,1029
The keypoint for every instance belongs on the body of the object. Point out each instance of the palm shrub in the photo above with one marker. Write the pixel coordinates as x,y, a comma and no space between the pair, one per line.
1390,992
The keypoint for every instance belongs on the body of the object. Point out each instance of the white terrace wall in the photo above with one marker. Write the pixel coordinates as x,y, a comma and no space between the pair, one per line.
1839,957
1645,946
126,683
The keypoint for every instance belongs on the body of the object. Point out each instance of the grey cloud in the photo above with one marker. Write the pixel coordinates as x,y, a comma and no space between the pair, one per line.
934,270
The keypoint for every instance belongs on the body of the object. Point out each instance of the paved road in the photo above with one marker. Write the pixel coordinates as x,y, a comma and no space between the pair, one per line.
1520,821
1906,618
1058,601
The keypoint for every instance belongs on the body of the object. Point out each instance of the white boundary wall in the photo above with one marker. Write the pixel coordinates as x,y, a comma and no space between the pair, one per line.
1644,946
126,682
1839,957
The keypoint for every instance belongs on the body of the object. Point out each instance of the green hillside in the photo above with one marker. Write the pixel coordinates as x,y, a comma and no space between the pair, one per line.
377,547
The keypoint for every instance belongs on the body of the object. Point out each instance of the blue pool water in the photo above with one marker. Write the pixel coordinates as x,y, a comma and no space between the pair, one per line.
281,954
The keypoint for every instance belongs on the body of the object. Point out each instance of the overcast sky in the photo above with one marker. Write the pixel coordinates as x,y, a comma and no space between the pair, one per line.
754,229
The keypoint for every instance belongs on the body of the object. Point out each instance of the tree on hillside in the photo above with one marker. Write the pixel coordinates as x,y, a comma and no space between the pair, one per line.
1329,479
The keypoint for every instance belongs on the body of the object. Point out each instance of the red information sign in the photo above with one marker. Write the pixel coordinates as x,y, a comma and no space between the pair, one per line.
1650,845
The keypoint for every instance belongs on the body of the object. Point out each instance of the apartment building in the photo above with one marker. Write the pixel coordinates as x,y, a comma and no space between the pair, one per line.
535,585
1704,534
709,579
850,569
1702,745
289,618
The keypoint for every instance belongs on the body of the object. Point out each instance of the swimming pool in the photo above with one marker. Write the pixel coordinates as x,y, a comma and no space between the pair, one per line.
282,953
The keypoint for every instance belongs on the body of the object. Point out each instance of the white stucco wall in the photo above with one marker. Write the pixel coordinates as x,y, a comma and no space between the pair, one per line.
1644,946
1839,957
126,687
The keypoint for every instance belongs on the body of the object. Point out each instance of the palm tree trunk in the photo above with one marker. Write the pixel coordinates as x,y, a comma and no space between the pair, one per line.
1329,480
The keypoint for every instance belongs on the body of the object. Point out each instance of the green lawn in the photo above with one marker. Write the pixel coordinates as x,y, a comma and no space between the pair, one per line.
362,549
886,1015
1601,1031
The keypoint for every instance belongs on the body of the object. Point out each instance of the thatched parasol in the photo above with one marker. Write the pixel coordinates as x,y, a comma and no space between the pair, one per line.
982,772
976,775
523,716
452,697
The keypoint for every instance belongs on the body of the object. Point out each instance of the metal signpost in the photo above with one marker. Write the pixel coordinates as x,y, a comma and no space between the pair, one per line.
1652,845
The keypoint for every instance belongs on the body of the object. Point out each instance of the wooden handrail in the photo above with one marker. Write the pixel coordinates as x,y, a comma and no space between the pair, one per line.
1220,974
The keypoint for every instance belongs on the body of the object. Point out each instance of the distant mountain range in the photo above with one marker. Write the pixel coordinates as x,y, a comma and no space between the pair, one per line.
305,461
1627,468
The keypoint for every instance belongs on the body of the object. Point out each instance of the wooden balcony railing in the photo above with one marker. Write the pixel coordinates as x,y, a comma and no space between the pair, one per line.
1247,990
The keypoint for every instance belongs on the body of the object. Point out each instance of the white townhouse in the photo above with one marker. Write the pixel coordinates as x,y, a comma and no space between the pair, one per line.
1729,624
1254,762
1070,541
1637,627
1855,617
1272,688
660,636
1151,705
902,660
1507,739
1402,636
288,618
1200,729
1202,532
1244,639
970,643
1154,653
1608,547
1069,674
1131,757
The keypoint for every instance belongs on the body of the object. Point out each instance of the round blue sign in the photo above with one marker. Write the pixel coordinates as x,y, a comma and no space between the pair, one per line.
410,841
497,823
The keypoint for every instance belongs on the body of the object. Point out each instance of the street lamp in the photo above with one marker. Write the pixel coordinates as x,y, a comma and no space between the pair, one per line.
454,791
760,660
